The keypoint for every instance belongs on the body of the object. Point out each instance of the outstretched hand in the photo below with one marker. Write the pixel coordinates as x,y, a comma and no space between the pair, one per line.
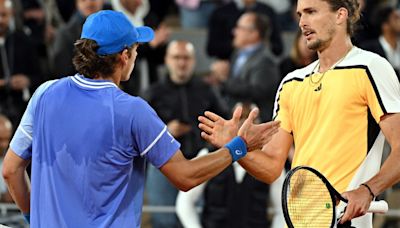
218,131
257,135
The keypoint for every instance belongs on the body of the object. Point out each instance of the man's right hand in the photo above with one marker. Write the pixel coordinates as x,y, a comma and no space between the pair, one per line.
218,131
257,135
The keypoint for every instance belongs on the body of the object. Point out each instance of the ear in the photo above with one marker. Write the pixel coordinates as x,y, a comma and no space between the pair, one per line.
342,16
124,57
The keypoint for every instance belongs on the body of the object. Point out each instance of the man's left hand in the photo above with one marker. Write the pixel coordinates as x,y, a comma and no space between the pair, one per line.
358,203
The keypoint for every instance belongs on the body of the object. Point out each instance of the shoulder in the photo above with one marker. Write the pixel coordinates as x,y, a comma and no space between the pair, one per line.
360,58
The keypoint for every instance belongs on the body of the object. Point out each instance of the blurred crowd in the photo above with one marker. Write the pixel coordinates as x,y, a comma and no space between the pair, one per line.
249,57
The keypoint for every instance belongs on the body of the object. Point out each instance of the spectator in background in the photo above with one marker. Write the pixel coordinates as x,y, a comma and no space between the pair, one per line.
150,54
67,8
222,23
19,67
34,24
195,13
63,46
5,137
232,199
253,76
387,44
161,8
178,100
300,56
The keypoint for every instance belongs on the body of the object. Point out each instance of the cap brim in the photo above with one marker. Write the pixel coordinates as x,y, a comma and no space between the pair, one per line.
146,34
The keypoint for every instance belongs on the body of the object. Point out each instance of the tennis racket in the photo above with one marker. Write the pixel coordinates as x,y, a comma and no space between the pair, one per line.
309,200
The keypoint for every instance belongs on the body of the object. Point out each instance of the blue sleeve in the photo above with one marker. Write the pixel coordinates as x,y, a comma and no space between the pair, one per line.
21,143
152,137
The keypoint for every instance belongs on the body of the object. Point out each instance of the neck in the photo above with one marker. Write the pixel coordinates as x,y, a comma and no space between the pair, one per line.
333,53
114,78
391,38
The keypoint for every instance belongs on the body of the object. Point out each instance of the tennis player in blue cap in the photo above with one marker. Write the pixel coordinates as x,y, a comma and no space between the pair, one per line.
88,140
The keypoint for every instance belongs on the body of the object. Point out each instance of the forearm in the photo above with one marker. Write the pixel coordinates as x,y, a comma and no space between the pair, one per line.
14,173
201,169
388,175
186,174
262,166
19,189
390,171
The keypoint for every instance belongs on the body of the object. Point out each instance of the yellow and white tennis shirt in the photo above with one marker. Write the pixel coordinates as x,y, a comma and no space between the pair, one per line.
334,122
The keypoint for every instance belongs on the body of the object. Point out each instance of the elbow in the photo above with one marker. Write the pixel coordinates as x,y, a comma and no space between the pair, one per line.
268,176
186,184
7,172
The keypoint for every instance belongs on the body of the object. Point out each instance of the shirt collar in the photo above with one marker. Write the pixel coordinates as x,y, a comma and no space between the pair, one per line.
249,49
92,83
386,46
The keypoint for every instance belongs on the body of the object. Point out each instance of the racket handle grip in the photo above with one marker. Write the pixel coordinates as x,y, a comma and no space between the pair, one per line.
380,207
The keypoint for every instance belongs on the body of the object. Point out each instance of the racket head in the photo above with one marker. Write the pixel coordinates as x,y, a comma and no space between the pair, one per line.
308,199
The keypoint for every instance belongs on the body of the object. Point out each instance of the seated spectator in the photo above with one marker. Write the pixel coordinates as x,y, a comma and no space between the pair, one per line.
178,101
19,66
253,76
300,56
151,54
223,21
387,44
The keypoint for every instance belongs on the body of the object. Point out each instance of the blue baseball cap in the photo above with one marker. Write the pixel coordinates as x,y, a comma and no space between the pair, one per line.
113,32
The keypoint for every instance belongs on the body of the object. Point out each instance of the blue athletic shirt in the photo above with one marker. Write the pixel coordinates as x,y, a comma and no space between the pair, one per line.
88,142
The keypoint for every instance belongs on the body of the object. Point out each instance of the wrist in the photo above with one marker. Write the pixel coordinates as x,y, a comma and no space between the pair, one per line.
237,148
371,193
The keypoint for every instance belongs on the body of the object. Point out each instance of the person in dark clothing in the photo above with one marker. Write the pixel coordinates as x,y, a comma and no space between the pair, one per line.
178,101
387,44
223,21
150,54
63,45
252,75
19,68
299,57
182,97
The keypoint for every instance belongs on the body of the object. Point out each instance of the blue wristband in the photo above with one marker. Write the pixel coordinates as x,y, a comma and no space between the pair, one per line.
27,217
237,148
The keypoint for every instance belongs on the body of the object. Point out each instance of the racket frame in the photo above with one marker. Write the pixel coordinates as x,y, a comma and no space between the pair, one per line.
335,195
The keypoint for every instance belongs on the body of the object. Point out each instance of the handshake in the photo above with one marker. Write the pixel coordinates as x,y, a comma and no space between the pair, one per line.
239,134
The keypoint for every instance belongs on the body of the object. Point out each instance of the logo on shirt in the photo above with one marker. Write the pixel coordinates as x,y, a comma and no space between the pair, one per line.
318,88
238,152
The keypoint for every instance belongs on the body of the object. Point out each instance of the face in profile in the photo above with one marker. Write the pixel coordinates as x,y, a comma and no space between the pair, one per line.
180,61
126,73
245,32
394,21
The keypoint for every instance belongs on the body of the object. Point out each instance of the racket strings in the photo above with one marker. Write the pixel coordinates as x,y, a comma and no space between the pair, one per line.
309,201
